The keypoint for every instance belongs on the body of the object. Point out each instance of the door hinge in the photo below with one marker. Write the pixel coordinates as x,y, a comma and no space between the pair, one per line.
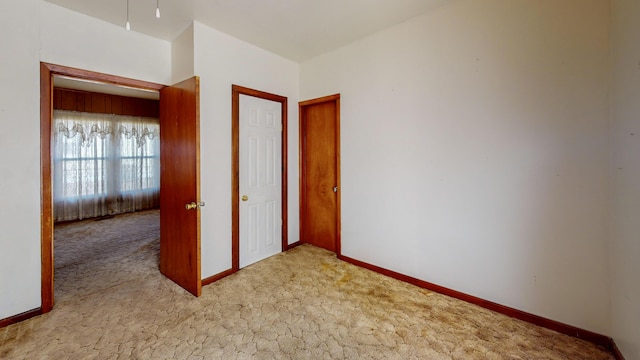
281,127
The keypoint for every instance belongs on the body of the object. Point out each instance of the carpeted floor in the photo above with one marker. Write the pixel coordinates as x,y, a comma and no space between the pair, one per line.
112,303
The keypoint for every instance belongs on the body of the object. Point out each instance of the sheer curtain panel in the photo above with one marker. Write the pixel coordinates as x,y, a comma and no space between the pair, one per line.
104,164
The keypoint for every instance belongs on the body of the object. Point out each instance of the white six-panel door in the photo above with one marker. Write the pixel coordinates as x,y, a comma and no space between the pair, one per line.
260,179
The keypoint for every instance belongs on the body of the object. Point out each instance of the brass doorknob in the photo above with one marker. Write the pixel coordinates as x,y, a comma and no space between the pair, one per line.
245,198
191,206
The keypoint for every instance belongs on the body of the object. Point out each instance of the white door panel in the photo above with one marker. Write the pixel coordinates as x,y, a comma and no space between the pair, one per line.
260,179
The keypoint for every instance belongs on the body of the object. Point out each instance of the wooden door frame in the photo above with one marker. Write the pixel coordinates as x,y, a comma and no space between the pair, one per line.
236,91
302,164
47,72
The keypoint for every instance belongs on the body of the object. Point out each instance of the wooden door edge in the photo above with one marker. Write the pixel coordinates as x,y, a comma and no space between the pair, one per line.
181,98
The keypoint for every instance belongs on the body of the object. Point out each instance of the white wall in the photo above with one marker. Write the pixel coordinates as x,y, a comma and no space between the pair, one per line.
625,245
35,31
474,146
182,56
19,158
220,61
474,149
76,40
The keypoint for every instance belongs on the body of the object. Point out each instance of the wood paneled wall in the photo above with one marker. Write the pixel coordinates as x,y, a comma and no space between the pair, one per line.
77,100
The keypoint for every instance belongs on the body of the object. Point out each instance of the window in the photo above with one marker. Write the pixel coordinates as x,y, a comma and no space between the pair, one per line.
104,164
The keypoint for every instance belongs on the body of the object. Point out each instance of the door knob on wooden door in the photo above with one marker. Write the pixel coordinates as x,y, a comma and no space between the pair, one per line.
194,206
191,206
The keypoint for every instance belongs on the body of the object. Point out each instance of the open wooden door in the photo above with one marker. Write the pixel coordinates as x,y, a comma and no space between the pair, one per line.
180,184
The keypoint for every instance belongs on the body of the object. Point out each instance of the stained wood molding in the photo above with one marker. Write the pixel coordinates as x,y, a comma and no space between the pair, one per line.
100,77
295,244
46,189
216,277
615,351
20,317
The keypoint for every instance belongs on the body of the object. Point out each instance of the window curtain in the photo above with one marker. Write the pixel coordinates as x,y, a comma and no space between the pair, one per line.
104,164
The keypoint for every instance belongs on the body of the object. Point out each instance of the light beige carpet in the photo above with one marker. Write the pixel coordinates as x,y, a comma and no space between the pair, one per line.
112,303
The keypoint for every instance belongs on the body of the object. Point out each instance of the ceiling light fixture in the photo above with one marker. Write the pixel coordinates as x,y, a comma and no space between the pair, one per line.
127,25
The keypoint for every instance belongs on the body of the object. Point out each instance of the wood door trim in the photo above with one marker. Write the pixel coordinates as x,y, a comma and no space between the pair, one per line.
46,191
328,98
236,91
20,317
47,71
104,78
302,165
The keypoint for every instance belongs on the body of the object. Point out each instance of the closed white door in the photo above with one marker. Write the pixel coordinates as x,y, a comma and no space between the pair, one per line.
260,179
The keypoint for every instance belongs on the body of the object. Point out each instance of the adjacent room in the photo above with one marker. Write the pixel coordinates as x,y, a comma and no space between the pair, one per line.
486,150
105,159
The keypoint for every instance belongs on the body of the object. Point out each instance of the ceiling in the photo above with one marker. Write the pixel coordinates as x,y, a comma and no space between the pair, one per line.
103,88
295,29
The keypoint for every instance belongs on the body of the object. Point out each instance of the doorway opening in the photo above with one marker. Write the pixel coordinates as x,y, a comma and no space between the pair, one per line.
277,219
106,181
175,96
